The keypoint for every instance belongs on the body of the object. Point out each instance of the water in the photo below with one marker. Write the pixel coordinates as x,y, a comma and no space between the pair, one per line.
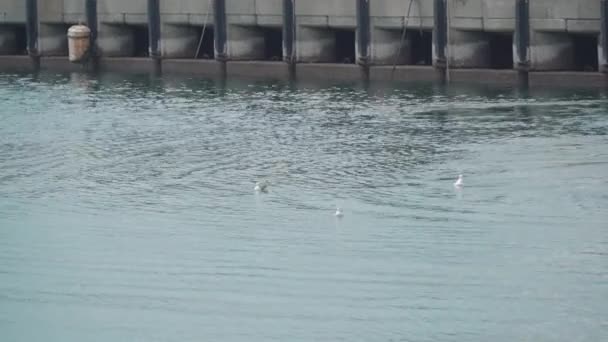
127,212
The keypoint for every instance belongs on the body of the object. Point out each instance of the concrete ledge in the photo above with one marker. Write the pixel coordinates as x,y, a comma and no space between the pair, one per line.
413,23
487,76
404,73
16,63
499,25
127,64
199,67
258,69
329,72
583,26
60,63
567,79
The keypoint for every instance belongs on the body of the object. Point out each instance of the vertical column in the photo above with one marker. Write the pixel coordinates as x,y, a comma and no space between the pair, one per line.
154,32
522,40
219,26
289,31
440,34
363,32
31,8
91,14
603,50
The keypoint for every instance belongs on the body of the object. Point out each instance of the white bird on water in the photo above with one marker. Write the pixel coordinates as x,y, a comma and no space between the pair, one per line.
339,212
459,182
261,186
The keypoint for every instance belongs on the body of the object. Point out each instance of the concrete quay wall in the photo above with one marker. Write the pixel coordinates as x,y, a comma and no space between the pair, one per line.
375,39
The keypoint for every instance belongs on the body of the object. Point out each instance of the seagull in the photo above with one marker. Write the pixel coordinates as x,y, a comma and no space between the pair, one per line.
261,187
339,212
459,183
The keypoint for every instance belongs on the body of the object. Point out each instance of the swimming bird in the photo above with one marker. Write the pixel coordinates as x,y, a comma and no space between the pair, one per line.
339,212
459,183
261,186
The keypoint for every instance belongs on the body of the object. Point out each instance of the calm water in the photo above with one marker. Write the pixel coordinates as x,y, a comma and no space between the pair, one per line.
127,212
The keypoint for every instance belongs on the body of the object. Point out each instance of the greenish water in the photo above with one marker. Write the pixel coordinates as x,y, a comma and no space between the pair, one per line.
127,212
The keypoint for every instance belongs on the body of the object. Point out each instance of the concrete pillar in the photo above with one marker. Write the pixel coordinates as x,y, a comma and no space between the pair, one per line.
362,38
468,49
219,24
603,41
289,31
440,30
521,41
551,51
8,41
53,40
31,28
116,41
245,43
91,15
387,49
180,41
154,28
315,45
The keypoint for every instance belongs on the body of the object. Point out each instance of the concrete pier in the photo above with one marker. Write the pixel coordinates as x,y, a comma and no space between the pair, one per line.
386,39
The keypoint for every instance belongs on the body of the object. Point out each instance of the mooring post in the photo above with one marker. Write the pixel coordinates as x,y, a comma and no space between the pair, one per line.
91,14
363,36
154,33
522,40
440,40
603,48
289,35
31,23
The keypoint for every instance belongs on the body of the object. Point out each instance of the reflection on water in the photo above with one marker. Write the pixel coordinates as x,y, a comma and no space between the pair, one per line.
128,211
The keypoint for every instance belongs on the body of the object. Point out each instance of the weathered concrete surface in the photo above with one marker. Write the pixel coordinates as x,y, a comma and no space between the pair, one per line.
12,11
53,40
486,15
326,13
115,40
315,45
16,63
61,11
468,49
255,12
487,76
321,71
122,11
179,41
258,69
8,40
245,19
245,43
187,12
198,67
387,47
127,64
60,63
567,79
403,73
565,15
551,51
394,13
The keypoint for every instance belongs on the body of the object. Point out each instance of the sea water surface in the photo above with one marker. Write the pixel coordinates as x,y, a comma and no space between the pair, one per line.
127,211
